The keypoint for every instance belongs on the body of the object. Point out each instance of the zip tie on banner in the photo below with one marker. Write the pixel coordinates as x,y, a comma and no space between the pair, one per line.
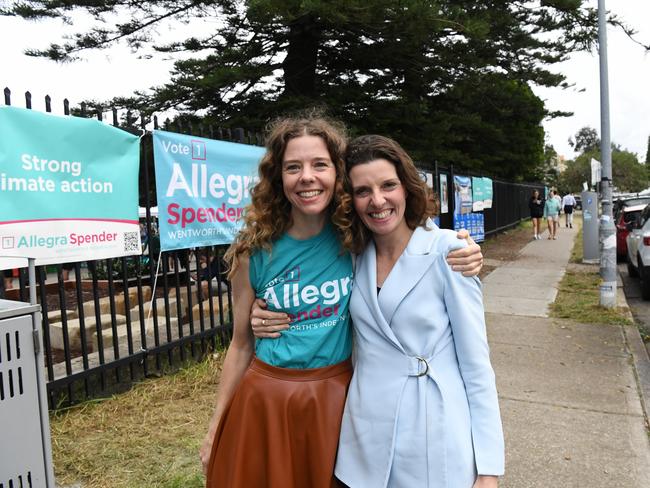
153,291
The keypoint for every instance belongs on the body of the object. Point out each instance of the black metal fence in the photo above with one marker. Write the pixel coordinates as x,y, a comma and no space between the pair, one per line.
509,201
109,326
511,206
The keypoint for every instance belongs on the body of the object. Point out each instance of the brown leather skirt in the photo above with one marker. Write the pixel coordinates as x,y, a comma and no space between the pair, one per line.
281,429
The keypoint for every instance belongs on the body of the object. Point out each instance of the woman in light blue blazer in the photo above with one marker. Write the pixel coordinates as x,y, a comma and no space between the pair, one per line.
422,407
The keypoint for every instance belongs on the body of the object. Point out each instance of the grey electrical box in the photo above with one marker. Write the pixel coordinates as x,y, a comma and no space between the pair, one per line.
590,222
25,445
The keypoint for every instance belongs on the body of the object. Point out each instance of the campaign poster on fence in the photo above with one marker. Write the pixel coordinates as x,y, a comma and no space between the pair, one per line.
478,194
473,222
203,186
462,195
444,196
427,178
68,189
481,193
487,193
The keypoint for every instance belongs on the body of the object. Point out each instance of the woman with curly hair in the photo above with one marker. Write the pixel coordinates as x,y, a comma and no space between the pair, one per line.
278,413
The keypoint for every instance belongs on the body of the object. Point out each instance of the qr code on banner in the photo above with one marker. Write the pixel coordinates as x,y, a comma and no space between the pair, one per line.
131,241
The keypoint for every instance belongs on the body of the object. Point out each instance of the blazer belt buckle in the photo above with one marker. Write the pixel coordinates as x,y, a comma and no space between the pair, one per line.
426,366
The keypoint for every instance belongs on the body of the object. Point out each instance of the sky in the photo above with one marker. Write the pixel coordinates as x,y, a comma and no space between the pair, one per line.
105,74
629,79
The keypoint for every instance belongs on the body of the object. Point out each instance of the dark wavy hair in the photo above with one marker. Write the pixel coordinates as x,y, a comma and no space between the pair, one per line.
269,214
420,203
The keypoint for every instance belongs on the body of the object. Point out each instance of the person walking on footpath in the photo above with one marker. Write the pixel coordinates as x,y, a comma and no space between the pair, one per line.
422,408
552,214
536,206
277,419
568,204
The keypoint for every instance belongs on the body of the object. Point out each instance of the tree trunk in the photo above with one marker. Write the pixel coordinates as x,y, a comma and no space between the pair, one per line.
302,55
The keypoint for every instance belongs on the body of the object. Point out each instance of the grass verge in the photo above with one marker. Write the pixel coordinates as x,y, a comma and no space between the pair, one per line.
578,299
577,251
578,296
147,437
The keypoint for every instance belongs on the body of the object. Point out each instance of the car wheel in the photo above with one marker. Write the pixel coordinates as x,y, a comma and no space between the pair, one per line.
631,270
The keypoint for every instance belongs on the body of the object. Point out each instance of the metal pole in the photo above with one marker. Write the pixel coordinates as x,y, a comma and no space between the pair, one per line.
31,272
40,379
607,231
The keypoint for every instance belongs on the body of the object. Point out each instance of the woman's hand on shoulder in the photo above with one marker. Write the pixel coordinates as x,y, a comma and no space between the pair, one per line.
468,260
267,324
484,481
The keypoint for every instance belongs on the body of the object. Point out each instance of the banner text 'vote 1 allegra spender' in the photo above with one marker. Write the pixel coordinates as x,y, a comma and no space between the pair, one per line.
203,186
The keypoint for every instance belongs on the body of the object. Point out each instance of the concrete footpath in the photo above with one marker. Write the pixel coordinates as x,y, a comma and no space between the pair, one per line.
571,395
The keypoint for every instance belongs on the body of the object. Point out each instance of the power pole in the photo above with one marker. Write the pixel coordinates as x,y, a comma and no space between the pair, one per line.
607,231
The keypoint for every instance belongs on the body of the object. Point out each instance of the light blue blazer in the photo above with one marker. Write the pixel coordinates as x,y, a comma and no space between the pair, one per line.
422,408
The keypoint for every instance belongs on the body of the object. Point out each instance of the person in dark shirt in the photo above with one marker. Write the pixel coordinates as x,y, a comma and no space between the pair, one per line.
536,206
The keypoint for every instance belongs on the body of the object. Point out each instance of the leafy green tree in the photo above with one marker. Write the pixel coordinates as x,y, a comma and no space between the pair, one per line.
628,174
447,78
647,154
576,172
548,173
489,124
586,139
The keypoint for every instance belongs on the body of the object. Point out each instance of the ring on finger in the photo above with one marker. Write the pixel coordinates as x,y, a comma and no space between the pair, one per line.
263,322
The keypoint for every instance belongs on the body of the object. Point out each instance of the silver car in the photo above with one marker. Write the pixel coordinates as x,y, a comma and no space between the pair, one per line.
638,250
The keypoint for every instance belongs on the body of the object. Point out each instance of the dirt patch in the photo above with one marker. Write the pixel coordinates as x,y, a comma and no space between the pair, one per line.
505,246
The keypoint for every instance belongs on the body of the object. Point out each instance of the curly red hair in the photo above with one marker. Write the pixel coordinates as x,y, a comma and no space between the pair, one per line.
269,214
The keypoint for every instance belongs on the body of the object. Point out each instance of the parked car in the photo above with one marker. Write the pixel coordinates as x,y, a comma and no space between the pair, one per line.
628,201
626,216
638,250
578,202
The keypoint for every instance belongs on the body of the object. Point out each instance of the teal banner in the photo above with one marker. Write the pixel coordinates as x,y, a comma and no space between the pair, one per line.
487,192
203,187
481,193
477,194
68,188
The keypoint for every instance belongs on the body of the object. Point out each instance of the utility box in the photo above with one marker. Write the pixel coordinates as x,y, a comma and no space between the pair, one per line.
590,223
25,445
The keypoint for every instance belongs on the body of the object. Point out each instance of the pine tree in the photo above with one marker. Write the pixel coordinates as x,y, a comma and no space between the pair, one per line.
447,78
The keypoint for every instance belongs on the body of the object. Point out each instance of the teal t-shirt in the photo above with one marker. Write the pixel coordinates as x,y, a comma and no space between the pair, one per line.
311,281
551,207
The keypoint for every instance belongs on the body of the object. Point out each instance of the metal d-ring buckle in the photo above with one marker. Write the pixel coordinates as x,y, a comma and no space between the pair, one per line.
426,366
